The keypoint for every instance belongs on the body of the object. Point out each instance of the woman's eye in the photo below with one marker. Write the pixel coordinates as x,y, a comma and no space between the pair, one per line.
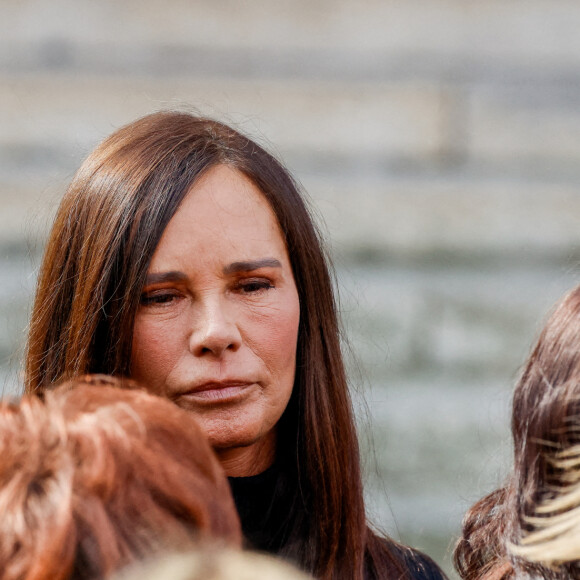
253,286
155,298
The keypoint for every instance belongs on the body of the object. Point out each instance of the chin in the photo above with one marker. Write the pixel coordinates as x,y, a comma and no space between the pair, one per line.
250,446
222,441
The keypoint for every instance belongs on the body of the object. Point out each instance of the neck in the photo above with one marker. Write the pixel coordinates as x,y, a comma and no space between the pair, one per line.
247,461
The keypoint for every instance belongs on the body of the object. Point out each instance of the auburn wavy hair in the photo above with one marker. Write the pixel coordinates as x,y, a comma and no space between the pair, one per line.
96,477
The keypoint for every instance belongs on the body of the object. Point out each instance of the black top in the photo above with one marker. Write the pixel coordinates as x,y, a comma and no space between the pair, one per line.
262,503
263,518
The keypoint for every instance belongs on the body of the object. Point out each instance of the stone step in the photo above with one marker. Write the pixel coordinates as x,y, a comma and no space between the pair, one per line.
411,124
450,222
525,125
540,33
459,67
453,324
390,119
453,222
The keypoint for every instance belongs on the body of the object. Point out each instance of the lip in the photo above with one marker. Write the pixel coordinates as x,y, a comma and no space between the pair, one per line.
215,391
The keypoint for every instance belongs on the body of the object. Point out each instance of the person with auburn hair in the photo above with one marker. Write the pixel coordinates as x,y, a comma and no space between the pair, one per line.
545,397
183,254
96,477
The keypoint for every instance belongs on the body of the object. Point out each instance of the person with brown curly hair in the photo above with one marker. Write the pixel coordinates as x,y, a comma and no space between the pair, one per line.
545,399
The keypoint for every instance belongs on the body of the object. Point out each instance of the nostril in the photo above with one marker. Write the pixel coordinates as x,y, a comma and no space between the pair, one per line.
214,333
216,348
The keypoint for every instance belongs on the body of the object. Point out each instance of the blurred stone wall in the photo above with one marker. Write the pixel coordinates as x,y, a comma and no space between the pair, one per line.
439,141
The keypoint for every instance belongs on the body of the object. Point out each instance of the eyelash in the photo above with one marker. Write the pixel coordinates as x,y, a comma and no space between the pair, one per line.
157,298
255,286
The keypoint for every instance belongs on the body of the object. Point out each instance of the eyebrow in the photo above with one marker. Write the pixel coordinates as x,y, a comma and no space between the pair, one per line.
252,265
171,276
178,276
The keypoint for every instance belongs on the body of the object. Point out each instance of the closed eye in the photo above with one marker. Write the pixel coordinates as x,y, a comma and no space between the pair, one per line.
158,297
255,285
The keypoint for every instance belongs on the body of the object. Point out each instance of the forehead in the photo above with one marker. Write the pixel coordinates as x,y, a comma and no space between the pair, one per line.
223,210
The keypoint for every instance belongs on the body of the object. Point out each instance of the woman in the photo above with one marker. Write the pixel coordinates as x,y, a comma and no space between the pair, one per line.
97,477
545,397
183,254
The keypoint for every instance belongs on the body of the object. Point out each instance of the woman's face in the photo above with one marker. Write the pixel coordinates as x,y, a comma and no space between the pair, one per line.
217,326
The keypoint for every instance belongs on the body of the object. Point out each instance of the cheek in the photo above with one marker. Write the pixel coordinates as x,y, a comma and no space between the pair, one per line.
277,342
152,354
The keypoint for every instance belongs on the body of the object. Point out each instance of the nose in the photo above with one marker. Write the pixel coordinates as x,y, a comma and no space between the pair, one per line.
214,330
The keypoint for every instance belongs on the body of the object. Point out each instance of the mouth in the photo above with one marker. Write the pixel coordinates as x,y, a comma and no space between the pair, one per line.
214,391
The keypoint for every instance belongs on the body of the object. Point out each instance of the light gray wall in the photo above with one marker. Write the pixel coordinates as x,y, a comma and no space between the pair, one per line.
439,141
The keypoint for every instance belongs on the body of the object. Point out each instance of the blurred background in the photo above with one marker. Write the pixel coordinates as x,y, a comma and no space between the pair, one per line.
439,141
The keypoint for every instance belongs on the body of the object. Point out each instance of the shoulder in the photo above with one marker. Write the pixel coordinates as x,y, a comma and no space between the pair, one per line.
418,566
421,566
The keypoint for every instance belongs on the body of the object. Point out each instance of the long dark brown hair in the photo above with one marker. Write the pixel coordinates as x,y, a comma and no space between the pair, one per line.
545,397
103,238
96,477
